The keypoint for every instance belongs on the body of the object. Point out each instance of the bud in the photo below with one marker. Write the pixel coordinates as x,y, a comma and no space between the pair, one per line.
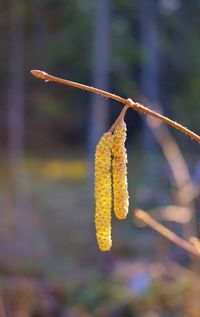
103,192
119,168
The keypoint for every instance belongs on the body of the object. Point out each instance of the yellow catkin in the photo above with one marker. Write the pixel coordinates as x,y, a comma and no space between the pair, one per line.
103,192
119,168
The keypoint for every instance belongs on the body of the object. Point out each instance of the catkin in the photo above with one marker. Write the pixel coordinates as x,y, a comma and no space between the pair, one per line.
103,192
119,169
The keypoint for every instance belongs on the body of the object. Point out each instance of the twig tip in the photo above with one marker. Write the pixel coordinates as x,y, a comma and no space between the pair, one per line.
38,73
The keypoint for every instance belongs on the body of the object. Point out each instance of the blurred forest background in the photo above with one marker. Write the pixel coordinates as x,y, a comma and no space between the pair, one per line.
148,50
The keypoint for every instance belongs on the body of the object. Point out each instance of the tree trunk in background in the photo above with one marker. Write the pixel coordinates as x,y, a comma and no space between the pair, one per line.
101,58
16,83
151,64
40,36
15,92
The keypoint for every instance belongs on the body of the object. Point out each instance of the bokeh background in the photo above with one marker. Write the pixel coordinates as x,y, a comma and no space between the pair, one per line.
148,50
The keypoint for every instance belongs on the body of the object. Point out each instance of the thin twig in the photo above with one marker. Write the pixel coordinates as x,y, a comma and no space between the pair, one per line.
120,118
178,126
128,102
148,220
42,75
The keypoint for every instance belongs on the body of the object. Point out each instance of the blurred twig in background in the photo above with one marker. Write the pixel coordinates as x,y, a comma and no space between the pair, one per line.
148,220
185,191
196,243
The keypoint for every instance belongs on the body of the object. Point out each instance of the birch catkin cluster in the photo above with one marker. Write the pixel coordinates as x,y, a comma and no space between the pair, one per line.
110,166
103,191
120,186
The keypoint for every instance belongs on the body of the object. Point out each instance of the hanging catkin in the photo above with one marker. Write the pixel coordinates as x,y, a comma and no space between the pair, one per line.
103,192
120,186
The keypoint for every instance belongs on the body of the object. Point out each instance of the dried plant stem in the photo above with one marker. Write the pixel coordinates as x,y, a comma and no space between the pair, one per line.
148,220
128,102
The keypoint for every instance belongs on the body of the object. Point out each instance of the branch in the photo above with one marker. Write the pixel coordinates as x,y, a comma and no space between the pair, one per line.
178,126
196,243
42,75
128,102
170,235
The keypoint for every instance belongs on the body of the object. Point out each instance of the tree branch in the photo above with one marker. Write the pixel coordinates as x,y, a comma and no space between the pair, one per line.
128,102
